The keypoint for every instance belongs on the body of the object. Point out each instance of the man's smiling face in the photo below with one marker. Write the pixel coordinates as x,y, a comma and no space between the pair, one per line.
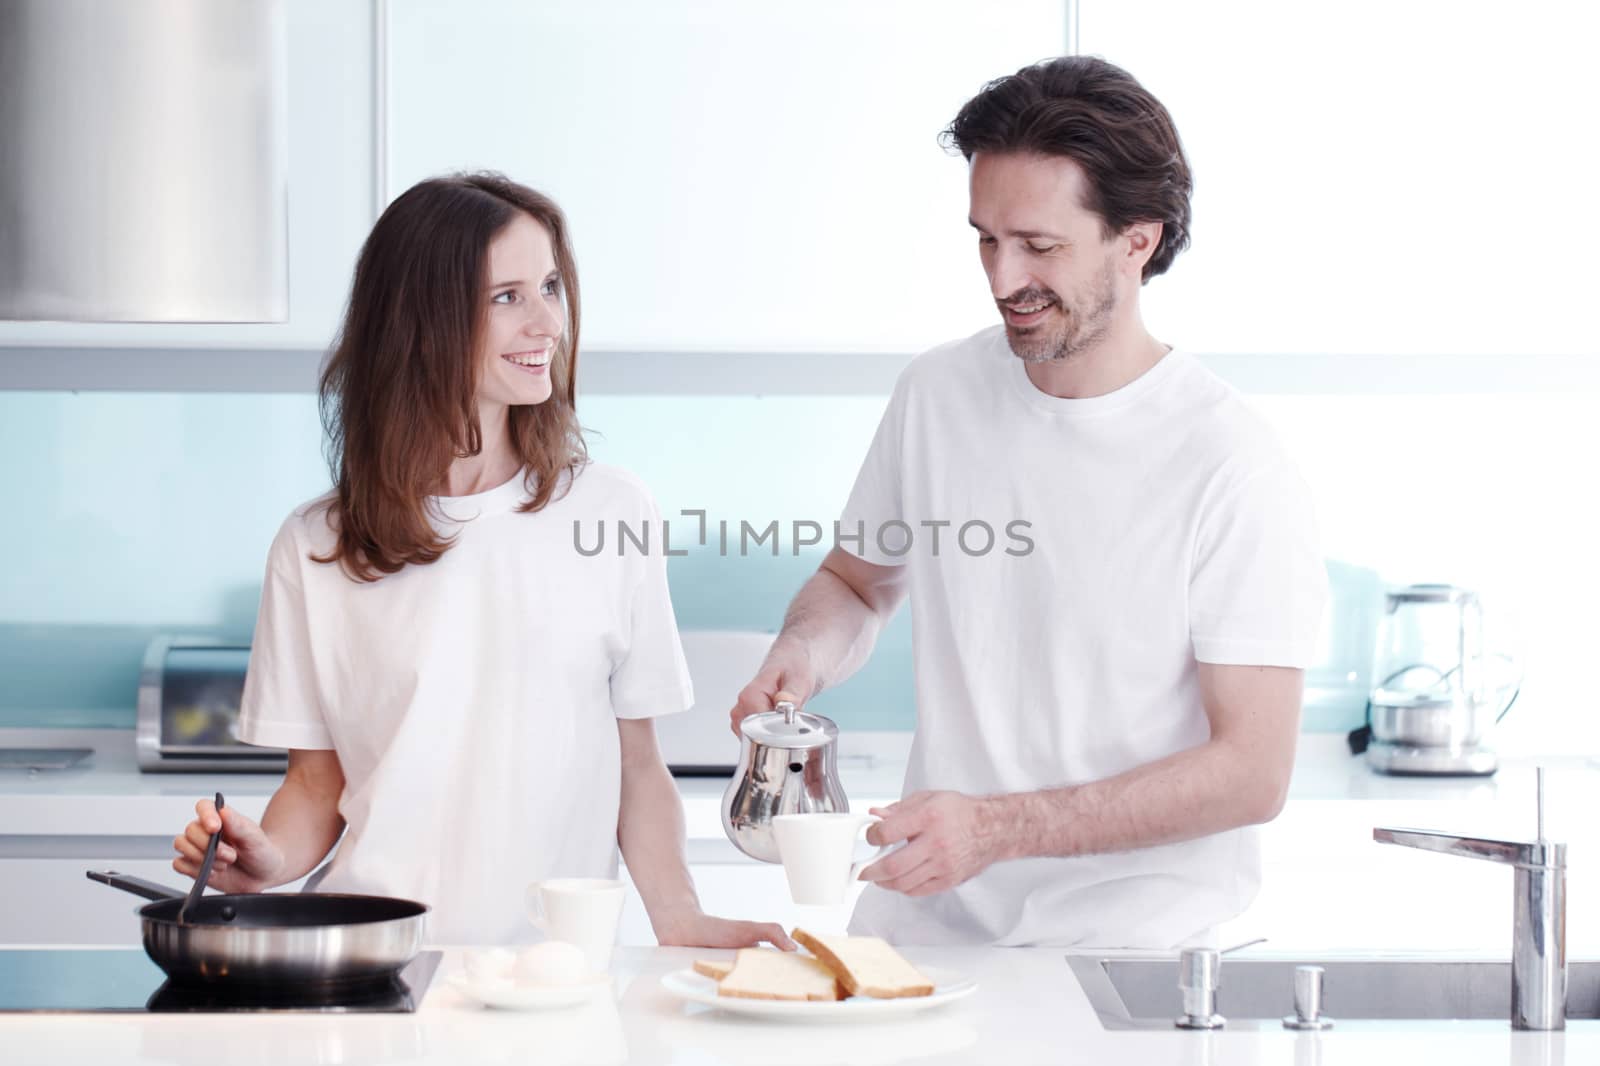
1052,268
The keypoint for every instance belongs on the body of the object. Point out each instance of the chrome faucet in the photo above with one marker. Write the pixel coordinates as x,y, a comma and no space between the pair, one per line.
1539,913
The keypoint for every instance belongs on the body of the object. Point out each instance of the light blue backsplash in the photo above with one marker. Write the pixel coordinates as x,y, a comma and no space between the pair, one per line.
137,513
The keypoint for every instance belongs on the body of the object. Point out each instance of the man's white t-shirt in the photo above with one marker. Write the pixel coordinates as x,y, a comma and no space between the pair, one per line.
473,701
1164,526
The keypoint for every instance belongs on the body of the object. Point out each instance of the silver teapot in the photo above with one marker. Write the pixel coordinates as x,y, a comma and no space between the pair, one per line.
787,765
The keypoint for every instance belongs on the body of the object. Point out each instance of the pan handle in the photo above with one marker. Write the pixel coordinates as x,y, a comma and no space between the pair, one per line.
137,885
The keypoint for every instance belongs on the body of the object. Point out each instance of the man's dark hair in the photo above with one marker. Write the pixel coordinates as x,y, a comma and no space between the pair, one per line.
1097,115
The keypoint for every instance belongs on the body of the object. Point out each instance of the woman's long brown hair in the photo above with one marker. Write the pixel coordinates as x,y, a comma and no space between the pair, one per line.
399,392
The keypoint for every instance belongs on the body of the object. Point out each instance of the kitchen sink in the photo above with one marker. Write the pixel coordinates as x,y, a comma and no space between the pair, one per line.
1142,993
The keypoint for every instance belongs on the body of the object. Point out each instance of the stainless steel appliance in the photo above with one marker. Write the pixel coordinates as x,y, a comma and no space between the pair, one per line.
189,693
1437,692
188,714
145,170
788,764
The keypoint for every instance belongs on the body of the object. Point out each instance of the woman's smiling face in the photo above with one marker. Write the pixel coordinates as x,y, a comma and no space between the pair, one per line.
524,318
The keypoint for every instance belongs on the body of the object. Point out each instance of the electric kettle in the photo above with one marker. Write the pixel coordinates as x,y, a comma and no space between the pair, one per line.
788,764
1437,692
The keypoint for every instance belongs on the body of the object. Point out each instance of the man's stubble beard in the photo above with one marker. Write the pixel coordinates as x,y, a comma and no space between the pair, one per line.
1079,333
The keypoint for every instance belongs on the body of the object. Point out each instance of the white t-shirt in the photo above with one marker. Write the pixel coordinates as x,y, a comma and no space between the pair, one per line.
1166,526
473,701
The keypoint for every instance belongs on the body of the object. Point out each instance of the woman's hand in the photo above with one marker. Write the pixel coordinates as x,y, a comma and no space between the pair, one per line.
247,859
696,929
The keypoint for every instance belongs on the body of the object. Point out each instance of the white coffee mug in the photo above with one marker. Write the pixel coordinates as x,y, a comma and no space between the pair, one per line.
818,853
580,910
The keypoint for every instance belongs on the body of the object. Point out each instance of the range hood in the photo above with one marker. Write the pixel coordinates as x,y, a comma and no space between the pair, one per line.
143,161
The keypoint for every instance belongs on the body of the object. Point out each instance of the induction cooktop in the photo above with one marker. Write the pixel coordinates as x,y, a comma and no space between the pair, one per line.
124,979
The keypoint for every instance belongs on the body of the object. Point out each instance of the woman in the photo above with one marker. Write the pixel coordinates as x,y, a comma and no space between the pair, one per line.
464,695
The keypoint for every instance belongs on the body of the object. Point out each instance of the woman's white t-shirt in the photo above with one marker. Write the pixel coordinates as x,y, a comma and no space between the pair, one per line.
473,701
1071,561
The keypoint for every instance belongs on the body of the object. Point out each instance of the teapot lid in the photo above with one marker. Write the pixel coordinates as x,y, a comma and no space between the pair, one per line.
785,727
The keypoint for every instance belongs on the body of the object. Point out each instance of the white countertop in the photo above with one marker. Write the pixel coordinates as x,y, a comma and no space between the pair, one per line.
1027,1009
108,795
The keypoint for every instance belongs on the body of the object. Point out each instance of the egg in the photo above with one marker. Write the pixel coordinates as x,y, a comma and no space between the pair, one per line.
490,964
554,962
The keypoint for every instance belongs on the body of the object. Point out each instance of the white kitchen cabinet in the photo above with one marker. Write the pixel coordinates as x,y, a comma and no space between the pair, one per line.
746,890
738,177
329,51
50,901
1326,884
760,892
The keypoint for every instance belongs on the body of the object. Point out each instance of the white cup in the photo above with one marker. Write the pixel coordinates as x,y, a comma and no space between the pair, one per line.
818,853
580,910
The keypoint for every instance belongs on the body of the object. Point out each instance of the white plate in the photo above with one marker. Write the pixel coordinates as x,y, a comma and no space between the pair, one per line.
697,988
513,995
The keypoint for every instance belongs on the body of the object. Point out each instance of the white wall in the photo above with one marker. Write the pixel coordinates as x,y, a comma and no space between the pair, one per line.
739,177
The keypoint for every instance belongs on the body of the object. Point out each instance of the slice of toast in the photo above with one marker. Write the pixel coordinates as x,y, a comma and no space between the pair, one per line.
866,965
712,968
766,973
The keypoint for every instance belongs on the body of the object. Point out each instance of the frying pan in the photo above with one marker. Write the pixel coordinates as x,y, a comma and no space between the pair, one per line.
273,938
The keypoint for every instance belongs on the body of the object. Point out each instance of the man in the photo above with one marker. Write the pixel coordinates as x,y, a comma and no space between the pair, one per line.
1109,696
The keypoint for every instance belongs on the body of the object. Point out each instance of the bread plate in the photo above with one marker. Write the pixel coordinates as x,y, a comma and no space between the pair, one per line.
696,988
522,995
